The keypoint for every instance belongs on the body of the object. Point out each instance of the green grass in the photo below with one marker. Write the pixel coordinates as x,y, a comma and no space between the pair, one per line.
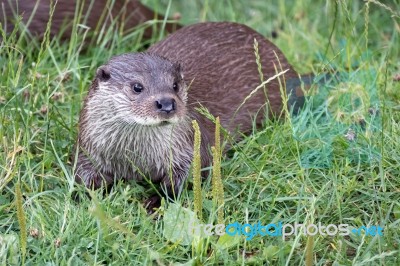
42,86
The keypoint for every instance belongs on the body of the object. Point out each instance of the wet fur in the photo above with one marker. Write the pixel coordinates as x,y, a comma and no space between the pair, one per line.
114,142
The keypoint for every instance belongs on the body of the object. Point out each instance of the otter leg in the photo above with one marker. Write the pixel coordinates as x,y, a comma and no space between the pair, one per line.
172,186
87,174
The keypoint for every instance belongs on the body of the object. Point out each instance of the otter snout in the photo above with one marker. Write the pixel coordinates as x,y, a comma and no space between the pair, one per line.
166,105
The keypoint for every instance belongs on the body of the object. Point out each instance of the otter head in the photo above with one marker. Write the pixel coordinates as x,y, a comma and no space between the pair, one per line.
139,89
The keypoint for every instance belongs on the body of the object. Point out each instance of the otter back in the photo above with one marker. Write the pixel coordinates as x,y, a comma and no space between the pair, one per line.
219,63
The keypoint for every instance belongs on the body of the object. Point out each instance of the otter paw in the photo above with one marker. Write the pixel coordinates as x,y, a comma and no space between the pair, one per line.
152,203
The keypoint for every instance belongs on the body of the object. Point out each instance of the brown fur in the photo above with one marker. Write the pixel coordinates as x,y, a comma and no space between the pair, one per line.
219,62
127,13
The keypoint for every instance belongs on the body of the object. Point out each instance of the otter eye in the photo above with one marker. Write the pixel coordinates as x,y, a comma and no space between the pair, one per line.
137,87
175,86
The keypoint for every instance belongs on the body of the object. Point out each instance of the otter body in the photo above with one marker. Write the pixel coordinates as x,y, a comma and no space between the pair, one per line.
36,14
136,119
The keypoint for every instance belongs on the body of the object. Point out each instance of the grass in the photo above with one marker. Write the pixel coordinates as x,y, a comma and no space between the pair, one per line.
42,86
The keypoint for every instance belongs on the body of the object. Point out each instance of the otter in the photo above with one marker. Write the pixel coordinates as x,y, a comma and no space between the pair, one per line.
36,14
136,119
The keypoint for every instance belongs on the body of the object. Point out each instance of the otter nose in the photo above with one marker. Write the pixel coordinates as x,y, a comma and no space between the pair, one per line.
166,105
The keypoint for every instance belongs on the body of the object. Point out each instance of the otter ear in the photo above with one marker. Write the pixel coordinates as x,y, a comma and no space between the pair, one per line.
179,68
103,73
